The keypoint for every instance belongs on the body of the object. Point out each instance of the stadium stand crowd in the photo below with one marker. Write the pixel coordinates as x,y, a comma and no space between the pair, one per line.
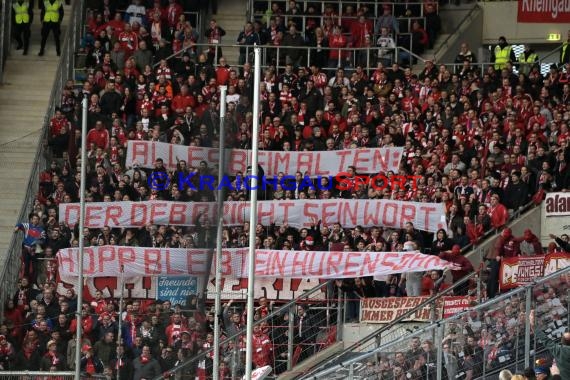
473,139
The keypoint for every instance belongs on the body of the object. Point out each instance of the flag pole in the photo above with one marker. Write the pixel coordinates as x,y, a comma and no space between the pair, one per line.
220,194
78,330
252,215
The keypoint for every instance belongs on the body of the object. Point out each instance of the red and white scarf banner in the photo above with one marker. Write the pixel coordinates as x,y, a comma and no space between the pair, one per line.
323,163
348,212
143,261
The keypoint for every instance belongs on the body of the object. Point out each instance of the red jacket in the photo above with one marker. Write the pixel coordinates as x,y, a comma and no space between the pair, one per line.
459,260
262,350
181,102
99,138
499,216
337,42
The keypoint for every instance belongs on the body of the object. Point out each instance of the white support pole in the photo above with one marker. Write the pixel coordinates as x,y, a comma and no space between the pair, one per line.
218,261
79,290
120,321
252,215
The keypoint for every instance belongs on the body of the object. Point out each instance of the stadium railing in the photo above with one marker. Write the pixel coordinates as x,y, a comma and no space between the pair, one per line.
5,34
503,335
259,7
42,375
325,314
387,332
10,272
348,57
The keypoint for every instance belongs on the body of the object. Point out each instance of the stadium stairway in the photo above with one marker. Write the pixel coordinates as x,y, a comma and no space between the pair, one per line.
24,98
231,16
461,23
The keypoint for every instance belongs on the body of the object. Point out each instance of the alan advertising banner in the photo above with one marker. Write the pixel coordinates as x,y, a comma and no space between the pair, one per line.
555,212
544,11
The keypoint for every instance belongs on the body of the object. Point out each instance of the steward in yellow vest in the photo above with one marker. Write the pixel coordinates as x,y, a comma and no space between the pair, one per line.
526,60
565,50
502,53
51,15
22,17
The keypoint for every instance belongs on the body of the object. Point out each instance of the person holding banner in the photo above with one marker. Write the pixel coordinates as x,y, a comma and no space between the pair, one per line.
465,268
505,246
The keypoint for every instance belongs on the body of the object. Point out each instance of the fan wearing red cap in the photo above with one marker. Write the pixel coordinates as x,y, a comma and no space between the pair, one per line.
308,244
464,267
90,363
529,244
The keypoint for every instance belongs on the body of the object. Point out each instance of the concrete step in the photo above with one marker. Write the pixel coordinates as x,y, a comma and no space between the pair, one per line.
24,97
231,17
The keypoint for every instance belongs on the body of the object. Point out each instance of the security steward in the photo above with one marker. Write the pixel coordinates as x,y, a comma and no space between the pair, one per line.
23,15
527,59
51,14
502,54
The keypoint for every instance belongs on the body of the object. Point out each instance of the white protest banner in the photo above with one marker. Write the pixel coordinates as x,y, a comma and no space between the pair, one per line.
386,310
330,264
318,163
276,289
101,261
348,212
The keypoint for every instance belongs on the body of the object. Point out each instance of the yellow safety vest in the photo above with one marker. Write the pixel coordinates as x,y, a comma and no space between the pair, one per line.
530,59
52,11
21,12
502,56
563,55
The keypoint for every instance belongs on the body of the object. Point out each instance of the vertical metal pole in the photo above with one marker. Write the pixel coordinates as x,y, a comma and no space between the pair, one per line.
79,332
339,320
252,214
568,303
527,327
3,32
218,300
290,336
517,347
351,371
119,334
439,357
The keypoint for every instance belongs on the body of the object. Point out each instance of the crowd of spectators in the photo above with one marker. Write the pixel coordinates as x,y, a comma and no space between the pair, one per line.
473,139
483,342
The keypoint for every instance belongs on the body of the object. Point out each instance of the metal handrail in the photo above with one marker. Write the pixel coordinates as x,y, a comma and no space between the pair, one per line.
10,271
401,318
455,317
377,6
5,35
268,317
